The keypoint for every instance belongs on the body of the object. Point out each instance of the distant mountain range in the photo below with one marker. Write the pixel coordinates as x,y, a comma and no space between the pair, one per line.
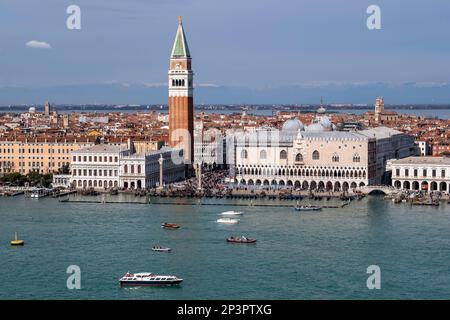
116,93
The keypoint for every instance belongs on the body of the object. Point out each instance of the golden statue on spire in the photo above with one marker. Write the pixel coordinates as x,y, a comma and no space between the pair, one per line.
180,19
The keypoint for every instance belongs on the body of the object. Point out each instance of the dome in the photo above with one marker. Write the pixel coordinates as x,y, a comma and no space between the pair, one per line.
321,110
315,127
326,123
32,110
321,124
293,125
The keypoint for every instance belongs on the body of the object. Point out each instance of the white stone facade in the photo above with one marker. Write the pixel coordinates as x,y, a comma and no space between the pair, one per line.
104,167
421,173
96,167
316,157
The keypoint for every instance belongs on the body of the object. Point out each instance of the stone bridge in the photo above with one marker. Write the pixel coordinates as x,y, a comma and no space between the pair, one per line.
387,190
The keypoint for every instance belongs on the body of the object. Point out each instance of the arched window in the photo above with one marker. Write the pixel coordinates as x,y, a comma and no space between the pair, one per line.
244,154
356,158
335,158
125,169
139,168
315,155
298,157
263,154
283,154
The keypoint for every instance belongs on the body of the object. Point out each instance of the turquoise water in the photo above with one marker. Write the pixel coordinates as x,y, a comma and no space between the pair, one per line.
317,255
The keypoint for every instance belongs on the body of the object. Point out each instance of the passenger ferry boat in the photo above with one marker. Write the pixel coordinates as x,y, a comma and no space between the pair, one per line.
148,279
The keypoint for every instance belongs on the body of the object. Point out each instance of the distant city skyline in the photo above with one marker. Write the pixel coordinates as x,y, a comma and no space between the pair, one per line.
252,47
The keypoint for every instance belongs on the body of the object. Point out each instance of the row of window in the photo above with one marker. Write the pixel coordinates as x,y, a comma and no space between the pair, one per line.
298,156
30,150
33,158
132,168
37,144
179,83
95,173
95,159
415,173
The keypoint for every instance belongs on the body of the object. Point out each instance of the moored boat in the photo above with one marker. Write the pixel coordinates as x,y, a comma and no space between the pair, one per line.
228,220
148,279
307,208
242,239
167,225
38,193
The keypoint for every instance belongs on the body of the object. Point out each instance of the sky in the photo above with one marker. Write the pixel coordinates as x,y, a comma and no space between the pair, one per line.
245,43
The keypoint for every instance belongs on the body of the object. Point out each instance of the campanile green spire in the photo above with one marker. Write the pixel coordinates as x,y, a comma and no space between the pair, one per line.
180,47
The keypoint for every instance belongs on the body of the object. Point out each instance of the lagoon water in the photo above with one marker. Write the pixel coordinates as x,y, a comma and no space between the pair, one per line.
308,255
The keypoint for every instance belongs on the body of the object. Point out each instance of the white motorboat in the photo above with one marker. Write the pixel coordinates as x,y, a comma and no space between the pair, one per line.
148,279
228,220
232,213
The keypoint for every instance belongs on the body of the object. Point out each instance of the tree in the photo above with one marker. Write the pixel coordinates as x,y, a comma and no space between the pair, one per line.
65,169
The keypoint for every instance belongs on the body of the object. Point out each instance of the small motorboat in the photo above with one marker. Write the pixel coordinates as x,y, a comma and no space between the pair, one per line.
307,208
228,220
232,213
161,249
148,279
17,242
241,240
166,225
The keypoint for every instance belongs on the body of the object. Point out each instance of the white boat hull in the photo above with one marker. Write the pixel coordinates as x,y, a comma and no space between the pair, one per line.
228,221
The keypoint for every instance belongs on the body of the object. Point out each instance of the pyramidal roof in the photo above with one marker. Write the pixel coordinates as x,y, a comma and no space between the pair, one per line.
180,47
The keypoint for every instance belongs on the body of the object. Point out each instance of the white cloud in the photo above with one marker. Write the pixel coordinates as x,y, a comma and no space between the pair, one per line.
35,44
213,85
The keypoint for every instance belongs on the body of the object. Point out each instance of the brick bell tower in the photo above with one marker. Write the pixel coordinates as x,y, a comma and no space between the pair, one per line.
181,102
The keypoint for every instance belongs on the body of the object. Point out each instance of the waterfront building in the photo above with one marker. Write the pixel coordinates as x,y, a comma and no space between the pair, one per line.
390,144
315,157
96,167
421,173
106,166
42,155
181,103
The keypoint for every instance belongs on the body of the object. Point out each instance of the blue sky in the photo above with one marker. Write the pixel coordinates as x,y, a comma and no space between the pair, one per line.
249,43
